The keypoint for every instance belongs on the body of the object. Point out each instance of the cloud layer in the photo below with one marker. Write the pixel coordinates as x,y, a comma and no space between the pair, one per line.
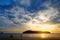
23,11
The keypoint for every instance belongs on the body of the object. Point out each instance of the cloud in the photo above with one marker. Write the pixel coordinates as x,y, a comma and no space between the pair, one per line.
47,15
4,22
27,10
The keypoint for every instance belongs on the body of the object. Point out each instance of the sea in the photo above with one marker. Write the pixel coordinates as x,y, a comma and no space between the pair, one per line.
20,36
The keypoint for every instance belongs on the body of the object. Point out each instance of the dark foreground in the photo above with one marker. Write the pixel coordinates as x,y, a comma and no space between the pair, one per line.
30,36
7,38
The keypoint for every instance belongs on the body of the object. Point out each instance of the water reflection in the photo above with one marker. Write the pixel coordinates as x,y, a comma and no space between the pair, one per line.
44,35
41,36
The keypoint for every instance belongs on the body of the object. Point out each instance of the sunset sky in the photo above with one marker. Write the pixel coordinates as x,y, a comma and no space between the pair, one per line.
19,15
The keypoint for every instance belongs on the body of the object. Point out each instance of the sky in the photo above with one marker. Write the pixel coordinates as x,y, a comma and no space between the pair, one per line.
20,15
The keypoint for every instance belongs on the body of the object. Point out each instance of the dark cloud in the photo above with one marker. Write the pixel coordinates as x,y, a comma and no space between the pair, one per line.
56,19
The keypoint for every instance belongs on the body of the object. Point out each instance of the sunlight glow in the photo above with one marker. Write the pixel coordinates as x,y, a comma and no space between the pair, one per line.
41,26
42,21
43,18
44,35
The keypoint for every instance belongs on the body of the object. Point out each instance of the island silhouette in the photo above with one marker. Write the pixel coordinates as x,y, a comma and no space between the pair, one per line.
31,32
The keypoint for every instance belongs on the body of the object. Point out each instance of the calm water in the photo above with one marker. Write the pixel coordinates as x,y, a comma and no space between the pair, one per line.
33,36
42,35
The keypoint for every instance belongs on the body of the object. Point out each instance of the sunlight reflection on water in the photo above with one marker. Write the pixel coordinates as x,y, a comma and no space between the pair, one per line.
44,35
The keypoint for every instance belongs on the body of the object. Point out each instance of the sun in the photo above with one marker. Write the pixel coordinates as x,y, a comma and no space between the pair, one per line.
45,27
41,26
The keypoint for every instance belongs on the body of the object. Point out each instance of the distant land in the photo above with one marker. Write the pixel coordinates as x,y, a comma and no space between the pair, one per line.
30,31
